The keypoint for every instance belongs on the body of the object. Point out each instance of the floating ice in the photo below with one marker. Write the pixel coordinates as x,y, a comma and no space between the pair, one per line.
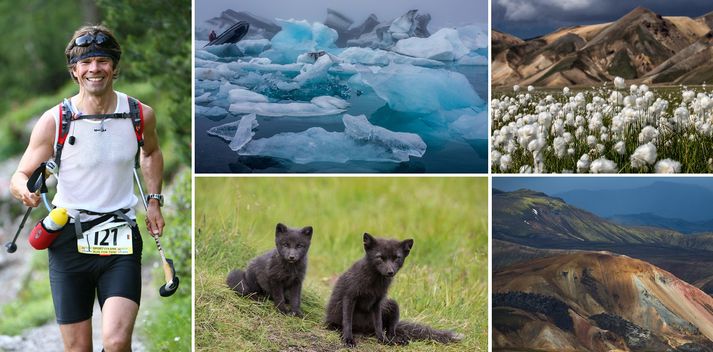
242,95
471,125
421,90
299,109
223,50
473,36
297,37
253,47
401,144
473,59
366,56
319,71
444,45
238,133
211,112
360,141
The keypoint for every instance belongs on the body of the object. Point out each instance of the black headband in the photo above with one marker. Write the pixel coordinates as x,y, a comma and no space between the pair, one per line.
95,52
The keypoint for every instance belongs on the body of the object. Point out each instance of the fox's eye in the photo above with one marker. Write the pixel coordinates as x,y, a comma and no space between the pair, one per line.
284,245
299,246
379,257
398,257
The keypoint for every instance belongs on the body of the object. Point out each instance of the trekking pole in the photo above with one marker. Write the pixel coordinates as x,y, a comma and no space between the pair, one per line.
34,184
169,272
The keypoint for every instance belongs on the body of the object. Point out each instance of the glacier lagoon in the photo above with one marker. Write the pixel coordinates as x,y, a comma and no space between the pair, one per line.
299,92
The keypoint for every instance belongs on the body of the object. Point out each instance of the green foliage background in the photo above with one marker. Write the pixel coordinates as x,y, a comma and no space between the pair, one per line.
443,283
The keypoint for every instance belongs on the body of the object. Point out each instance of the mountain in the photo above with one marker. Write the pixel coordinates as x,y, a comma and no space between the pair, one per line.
641,46
653,220
665,199
598,301
536,220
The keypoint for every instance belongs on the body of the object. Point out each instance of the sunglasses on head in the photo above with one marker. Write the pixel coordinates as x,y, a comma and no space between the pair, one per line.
89,38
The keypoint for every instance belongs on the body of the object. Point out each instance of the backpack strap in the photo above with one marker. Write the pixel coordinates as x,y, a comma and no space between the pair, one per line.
66,116
136,111
65,119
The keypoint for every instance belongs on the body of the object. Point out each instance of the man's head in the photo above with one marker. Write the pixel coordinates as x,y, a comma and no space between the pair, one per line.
92,41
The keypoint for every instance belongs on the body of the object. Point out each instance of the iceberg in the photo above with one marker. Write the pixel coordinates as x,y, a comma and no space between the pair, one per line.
471,125
410,24
211,112
421,90
444,45
253,47
242,95
473,36
317,72
473,60
325,106
360,141
400,144
367,56
297,37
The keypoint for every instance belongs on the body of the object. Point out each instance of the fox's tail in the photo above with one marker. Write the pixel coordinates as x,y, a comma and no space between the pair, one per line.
414,331
236,281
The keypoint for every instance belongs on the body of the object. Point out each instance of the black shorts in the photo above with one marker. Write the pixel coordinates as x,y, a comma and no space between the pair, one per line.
75,278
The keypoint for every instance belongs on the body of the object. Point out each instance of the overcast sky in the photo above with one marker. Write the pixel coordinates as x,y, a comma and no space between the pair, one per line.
530,18
555,185
444,13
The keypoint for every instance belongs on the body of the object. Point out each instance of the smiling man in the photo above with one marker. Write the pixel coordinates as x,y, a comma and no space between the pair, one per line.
97,137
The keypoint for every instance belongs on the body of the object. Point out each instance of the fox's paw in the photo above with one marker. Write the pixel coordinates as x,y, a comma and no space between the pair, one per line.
399,340
297,313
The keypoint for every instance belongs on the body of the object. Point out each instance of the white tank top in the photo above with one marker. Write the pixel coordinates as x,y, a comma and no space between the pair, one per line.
96,172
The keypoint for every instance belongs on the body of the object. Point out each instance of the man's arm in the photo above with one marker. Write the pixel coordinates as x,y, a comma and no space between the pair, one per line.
39,149
152,171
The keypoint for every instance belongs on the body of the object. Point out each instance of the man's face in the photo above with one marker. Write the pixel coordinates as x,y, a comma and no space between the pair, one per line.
94,74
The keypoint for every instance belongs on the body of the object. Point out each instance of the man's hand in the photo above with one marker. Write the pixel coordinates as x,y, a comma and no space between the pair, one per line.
154,219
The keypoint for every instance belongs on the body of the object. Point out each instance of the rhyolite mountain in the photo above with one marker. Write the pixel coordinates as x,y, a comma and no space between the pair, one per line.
536,220
641,46
598,301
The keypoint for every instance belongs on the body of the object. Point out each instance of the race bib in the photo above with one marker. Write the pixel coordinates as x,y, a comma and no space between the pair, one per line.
112,238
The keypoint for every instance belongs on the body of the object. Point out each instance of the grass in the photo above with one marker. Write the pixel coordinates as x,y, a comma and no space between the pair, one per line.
443,282
33,305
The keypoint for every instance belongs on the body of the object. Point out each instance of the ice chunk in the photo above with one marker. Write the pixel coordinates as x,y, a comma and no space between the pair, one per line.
203,98
471,125
422,90
211,112
360,141
473,36
444,45
298,109
244,133
366,56
317,72
205,55
401,27
253,47
242,95
401,144
297,37
223,50
330,102
473,60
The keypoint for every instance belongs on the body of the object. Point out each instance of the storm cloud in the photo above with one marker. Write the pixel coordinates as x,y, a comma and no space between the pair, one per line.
531,18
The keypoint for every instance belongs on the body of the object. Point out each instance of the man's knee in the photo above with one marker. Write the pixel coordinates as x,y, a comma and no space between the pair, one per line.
116,343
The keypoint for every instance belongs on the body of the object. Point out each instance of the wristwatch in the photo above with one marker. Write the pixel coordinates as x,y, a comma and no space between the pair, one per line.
159,197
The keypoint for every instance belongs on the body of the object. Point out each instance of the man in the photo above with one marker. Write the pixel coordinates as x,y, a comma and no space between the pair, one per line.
212,36
95,179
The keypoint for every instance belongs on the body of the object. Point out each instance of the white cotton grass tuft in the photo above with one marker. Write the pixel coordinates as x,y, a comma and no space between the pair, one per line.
603,166
667,166
619,83
643,155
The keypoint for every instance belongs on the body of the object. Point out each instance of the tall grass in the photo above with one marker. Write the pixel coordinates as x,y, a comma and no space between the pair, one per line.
443,282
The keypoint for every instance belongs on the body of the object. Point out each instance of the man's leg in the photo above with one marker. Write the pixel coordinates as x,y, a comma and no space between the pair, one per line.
118,317
77,337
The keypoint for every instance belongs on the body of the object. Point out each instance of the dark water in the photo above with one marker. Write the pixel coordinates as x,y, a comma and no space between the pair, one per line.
445,153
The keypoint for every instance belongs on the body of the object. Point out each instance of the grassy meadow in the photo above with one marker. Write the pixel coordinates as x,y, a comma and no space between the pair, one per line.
443,282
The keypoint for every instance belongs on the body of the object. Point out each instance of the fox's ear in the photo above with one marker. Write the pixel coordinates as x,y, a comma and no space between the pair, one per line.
406,245
368,241
307,231
280,229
